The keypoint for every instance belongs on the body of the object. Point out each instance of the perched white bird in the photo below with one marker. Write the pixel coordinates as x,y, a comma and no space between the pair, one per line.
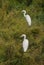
28,18
25,43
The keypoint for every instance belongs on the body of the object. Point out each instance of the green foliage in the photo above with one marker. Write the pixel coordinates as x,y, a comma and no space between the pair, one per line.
20,1
13,25
35,32
0,3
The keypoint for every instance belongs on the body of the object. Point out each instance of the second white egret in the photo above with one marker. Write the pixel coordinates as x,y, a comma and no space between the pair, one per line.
25,43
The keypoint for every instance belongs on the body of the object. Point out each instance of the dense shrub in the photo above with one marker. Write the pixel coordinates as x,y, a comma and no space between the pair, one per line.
13,25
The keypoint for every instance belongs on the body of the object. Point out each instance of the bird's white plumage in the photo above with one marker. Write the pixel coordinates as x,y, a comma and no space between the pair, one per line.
25,43
27,17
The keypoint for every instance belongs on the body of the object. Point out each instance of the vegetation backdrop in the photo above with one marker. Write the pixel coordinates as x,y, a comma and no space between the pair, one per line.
13,25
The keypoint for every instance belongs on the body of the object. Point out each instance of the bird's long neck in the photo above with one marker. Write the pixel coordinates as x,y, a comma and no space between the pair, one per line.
24,14
24,37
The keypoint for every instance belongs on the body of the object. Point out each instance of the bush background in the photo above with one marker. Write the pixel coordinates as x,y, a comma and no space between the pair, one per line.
13,25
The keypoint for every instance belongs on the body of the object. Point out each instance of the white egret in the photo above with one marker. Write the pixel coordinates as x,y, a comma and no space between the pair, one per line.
27,17
25,43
